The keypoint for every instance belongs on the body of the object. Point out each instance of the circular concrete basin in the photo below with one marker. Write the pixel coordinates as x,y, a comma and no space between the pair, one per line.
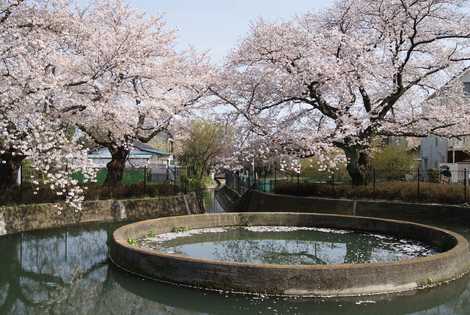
338,280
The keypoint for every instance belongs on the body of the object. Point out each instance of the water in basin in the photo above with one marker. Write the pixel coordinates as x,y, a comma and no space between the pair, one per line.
287,245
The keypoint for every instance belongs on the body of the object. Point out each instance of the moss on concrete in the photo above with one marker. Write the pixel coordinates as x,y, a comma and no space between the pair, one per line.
42,216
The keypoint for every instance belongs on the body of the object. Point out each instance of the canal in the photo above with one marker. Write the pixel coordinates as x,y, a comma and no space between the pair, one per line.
66,271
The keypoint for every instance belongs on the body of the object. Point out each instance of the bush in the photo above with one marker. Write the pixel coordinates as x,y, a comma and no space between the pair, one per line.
97,192
395,190
393,162
433,175
25,194
194,183
130,176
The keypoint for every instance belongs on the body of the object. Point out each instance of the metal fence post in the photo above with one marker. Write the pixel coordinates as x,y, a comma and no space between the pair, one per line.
275,176
239,183
21,187
265,181
186,180
373,179
175,183
298,183
145,180
419,179
465,183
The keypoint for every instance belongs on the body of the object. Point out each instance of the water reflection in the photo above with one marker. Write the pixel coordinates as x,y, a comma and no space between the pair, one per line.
41,270
66,272
298,247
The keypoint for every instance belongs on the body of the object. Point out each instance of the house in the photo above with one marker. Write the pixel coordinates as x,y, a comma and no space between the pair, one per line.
458,159
157,157
140,155
438,153
433,152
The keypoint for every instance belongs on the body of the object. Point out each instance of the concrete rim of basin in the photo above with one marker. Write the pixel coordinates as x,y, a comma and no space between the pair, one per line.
294,280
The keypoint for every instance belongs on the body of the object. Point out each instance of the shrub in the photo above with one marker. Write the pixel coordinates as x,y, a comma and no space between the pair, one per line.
394,190
25,193
433,175
194,183
393,162
97,192
130,176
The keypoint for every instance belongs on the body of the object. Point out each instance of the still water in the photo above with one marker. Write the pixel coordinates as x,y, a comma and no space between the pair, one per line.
66,271
287,245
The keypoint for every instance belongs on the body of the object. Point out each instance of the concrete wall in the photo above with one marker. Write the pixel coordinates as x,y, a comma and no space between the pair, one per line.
42,216
259,201
228,198
306,280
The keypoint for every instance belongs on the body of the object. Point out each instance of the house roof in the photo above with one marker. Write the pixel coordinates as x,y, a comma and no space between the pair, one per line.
139,151
463,76
149,149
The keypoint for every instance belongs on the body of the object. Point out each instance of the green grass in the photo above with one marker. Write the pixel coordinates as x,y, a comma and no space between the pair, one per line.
130,177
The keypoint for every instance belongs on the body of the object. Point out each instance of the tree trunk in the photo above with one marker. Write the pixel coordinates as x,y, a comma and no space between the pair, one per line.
116,166
358,165
9,170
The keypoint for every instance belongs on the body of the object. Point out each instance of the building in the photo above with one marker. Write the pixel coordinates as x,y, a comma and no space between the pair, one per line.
433,152
140,155
439,153
157,157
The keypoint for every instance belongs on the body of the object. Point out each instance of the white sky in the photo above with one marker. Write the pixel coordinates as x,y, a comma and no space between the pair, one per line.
218,25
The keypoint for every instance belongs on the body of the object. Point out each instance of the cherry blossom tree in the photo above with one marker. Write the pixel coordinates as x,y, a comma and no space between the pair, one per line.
358,70
126,79
105,68
31,36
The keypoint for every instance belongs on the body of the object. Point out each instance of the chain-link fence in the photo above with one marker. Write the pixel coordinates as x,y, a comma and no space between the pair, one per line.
157,180
415,185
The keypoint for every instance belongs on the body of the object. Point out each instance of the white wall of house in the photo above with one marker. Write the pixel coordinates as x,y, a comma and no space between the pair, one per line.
433,152
131,162
437,151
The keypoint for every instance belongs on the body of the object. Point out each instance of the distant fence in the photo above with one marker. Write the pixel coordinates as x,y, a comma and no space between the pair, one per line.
151,181
432,186
155,174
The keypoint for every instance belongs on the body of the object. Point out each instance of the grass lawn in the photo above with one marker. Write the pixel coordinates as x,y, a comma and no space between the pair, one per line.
131,176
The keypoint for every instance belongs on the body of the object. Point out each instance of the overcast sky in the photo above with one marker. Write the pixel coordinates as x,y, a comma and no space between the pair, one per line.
218,25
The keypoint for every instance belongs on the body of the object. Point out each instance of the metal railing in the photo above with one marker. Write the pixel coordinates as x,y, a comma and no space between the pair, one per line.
413,184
